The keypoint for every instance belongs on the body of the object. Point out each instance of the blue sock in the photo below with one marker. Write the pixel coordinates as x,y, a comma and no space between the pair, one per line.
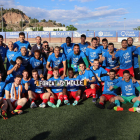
136,104
117,102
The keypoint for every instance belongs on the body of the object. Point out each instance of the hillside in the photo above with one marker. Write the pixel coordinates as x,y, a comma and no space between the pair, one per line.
13,17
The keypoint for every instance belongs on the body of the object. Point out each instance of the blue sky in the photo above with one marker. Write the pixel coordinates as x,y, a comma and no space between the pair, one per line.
84,14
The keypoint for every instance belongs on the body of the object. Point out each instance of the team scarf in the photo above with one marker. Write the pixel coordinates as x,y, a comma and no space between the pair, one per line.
13,92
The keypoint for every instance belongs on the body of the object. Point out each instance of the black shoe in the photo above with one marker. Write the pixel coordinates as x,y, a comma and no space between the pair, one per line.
111,106
99,106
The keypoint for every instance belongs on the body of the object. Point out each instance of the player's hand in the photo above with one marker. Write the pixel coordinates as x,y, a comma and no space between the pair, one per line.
63,76
88,80
87,68
138,46
50,53
88,42
30,53
113,55
49,69
41,59
80,73
92,64
26,86
103,58
16,67
134,80
75,76
15,50
88,46
110,88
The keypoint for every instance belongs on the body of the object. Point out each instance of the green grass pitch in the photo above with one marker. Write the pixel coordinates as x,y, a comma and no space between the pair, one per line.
82,122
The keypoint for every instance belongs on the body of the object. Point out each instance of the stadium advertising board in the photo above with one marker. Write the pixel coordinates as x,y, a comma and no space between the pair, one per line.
56,34
105,33
128,33
3,34
34,34
14,34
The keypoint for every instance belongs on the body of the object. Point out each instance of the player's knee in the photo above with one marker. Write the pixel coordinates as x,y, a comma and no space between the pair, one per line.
112,99
116,98
138,98
24,100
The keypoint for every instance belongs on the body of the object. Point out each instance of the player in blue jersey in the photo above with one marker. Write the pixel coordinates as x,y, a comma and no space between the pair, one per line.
128,92
36,92
56,92
104,46
3,103
25,57
125,58
75,57
99,72
10,53
56,59
93,52
89,91
107,59
83,45
22,42
25,80
39,63
71,91
108,95
68,46
14,70
13,93
135,62
3,48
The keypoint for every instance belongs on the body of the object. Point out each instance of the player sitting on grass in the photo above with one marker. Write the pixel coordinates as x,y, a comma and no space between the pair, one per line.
36,92
128,92
38,63
25,79
89,91
72,91
3,103
108,95
14,92
56,91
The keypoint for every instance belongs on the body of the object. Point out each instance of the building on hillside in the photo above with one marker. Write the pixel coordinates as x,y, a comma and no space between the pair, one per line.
47,29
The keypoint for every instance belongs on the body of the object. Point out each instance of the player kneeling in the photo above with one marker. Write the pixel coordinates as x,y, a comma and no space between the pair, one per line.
56,91
128,93
3,103
36,92
108,95
73,91
89,91
14,92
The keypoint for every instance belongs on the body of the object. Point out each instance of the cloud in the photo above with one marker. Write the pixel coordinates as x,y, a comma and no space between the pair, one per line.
102,8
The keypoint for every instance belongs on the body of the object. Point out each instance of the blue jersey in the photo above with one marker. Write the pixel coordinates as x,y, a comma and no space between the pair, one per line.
125,57
11,76
56,89
109,83
56,62
10,55
127,88
75,59
67,49
37,63
35,88
25,58
72,88
83,47
93,54
2,86
98,72
9,86
3,52
135,62
87,75
19,45
109,63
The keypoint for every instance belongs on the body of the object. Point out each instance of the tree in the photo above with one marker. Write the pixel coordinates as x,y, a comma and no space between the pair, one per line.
138,28
20,23
34,20
63,25
87,30
50,20
44,20
71,28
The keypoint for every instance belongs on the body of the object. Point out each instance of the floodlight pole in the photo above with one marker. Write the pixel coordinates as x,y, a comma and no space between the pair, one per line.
1,18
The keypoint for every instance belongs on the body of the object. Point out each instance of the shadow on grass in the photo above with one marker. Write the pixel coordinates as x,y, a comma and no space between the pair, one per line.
41,136
91,138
